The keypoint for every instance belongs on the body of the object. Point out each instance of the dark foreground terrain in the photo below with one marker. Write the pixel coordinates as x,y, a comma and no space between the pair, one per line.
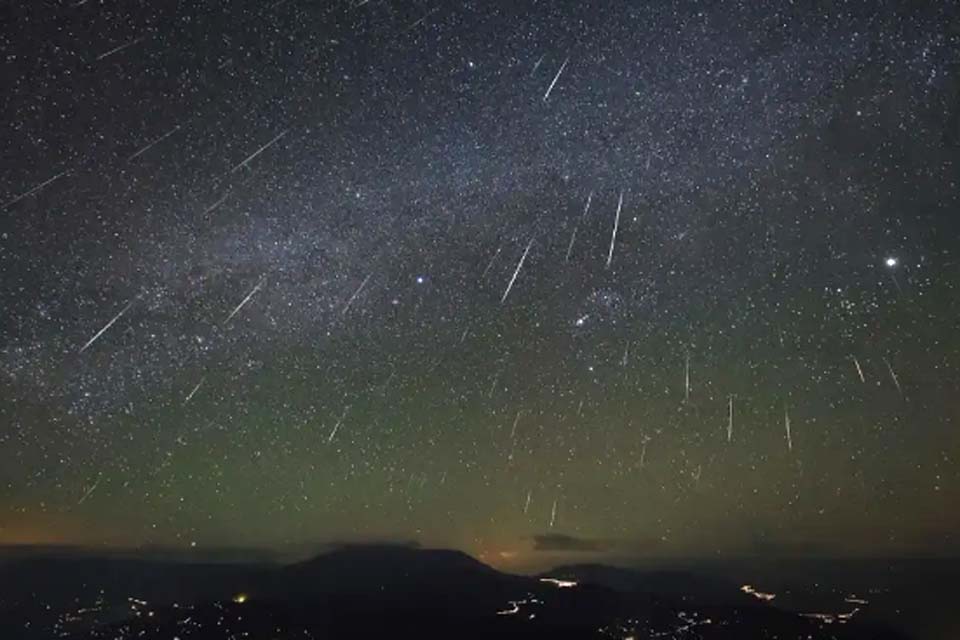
400,592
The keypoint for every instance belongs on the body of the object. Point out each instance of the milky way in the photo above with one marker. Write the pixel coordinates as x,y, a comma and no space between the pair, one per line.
283,274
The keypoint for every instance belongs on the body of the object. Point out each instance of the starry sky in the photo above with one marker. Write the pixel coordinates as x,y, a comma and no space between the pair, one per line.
528,279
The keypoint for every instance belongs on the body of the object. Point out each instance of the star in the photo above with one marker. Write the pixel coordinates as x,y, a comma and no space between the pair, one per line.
246,334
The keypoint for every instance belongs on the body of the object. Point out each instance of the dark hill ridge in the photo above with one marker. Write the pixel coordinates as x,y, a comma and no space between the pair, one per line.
686,585
382,591
59,580
391,564
397,578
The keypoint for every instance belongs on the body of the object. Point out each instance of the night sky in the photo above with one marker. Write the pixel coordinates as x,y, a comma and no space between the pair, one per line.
521,278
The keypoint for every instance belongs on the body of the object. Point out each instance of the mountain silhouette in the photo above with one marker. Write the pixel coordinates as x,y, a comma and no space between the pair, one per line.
383,566
380,591
688,585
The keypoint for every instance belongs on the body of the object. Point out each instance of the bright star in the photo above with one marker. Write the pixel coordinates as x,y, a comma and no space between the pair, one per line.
892,262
